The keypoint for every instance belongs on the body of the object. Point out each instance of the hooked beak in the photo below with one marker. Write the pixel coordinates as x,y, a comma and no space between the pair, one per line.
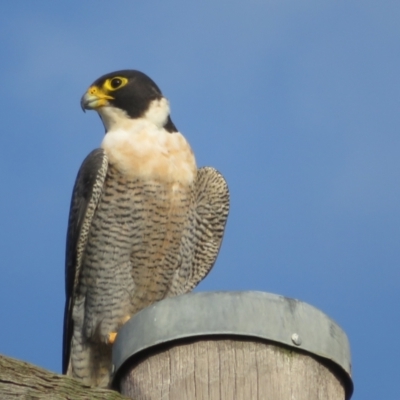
94,98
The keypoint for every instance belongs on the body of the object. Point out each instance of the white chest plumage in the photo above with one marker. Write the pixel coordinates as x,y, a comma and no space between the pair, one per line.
142,148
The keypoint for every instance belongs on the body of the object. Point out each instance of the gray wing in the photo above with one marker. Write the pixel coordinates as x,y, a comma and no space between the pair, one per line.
86,193
203,236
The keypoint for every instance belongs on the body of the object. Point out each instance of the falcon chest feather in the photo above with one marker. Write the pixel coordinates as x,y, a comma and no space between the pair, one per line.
142,148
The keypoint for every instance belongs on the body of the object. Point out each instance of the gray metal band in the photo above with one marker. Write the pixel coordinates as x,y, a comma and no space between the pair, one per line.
251,314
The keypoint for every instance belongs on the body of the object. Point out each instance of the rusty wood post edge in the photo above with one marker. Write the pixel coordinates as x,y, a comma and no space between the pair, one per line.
251,314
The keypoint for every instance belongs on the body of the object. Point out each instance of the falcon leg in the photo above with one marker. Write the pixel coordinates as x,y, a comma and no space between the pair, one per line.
113,335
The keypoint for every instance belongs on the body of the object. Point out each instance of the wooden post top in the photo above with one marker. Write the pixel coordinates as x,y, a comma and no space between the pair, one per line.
251,314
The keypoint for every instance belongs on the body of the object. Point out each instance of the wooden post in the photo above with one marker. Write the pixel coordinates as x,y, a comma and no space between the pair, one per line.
232,345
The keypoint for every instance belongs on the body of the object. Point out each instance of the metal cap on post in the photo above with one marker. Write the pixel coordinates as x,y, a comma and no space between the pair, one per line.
225,345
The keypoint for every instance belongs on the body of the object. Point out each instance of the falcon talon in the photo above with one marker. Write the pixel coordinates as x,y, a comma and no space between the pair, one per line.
111,337
136,229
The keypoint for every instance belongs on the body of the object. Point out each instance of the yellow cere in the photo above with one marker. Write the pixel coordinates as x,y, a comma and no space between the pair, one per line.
99,95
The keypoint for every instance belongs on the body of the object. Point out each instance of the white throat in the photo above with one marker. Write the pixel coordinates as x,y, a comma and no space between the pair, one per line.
142,148
114,118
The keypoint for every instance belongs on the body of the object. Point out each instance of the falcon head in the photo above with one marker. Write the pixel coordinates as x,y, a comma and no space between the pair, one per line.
126,95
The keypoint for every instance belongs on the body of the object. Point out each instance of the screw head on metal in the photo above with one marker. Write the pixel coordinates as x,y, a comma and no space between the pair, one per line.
296,339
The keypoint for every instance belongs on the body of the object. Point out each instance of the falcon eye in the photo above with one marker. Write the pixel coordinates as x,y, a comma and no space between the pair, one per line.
115,83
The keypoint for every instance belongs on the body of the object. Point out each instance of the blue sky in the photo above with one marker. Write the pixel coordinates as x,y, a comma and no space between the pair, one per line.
295,102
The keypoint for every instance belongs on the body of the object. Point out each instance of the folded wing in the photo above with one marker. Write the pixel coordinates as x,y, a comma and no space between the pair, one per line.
204,232
85,196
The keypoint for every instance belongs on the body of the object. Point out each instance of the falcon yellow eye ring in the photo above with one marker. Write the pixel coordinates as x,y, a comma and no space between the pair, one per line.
115,83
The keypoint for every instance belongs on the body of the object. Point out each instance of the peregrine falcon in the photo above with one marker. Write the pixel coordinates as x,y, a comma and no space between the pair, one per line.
145,223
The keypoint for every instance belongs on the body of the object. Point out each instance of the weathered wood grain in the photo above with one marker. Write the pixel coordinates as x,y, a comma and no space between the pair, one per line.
224,369
20,380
